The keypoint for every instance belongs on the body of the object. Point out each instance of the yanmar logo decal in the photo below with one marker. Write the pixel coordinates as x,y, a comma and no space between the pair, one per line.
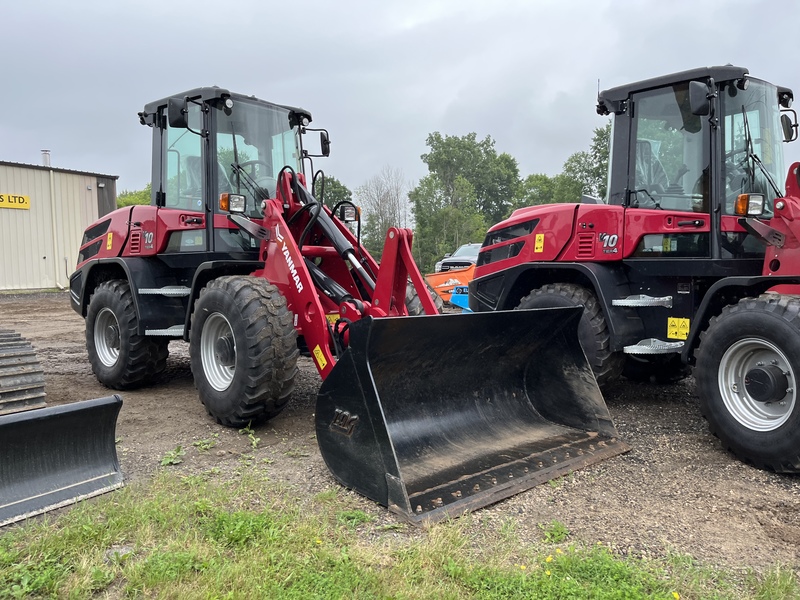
289,262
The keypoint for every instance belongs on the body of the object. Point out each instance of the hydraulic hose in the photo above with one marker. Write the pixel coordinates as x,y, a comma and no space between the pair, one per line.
337,238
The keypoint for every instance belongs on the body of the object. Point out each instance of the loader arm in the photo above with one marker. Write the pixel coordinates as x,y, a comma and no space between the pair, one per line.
397,267
286,268
782,232
324,306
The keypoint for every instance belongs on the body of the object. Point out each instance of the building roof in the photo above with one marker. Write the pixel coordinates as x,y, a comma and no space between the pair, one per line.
43,168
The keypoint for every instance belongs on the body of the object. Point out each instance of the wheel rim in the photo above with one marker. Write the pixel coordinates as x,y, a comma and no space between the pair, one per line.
741,359
106,337
218,352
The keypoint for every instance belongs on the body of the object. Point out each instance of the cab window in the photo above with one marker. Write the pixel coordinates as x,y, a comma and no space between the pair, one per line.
669,170
184,164
669,165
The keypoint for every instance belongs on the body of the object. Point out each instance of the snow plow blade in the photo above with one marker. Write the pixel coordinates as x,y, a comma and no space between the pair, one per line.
55,456
434,416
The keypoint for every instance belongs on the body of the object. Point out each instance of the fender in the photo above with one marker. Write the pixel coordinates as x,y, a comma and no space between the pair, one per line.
211,270
153,312
724,292
502,291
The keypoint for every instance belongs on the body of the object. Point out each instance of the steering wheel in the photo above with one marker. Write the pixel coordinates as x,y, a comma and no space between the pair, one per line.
257,170
729,155
735,173
649,197
251,167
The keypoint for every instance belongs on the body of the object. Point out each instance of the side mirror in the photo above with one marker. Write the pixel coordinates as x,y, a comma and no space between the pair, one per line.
325,143
178,113
789,128
698,98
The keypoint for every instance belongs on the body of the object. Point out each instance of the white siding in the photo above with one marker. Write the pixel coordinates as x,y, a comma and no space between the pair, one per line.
39,247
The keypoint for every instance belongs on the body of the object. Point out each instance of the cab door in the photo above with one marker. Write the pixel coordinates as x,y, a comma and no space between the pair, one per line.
181,221
667,208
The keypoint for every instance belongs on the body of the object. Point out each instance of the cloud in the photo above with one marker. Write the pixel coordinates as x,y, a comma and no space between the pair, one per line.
379,76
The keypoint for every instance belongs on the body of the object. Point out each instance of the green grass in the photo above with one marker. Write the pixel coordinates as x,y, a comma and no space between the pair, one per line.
196,537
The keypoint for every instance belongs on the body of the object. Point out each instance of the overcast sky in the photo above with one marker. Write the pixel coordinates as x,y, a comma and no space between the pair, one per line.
380,75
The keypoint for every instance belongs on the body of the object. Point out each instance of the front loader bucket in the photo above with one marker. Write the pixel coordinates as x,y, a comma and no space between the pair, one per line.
434,416
52,457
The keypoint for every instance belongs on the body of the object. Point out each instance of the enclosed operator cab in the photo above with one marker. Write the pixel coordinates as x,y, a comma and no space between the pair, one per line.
694,142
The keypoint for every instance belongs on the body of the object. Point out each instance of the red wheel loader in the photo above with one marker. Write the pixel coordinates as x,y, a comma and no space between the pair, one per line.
692,259
430,415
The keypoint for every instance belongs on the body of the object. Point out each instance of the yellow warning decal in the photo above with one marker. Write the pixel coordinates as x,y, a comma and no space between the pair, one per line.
320,358
332,318
677,329
539,243
109,240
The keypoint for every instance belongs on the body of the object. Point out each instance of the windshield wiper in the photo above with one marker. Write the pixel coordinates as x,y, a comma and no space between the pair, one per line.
748,141
766,173
258,192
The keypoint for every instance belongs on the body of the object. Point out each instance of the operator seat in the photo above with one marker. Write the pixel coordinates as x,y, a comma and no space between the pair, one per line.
650,173
192,196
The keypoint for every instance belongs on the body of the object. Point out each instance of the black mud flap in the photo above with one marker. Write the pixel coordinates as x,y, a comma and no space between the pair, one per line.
434,416
52,457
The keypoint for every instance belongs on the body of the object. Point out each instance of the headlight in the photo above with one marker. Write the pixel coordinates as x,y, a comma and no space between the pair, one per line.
438,267
750,205
234,203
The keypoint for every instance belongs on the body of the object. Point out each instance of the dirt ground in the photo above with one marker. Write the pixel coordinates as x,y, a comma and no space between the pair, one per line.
677,491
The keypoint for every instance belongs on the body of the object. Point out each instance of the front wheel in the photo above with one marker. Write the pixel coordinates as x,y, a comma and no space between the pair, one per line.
121,358
593,333
243,349
748,363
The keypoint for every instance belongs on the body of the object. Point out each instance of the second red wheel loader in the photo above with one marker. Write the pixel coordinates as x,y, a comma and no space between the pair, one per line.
430,415
692,259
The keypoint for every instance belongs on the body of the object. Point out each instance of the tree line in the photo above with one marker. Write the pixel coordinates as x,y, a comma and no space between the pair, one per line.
469,187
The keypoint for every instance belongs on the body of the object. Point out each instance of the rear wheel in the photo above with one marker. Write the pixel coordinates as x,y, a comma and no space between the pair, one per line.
121,358
413,303
592,329
748,363
243,350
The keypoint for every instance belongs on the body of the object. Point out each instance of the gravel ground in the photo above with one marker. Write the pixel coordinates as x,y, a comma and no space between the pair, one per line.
676,491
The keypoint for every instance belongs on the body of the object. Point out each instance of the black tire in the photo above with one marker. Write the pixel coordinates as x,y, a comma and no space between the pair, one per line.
751,342
413,303
121,358
658,368
592,330
243,349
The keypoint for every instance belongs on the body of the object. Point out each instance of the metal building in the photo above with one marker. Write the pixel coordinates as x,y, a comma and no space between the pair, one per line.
43,213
